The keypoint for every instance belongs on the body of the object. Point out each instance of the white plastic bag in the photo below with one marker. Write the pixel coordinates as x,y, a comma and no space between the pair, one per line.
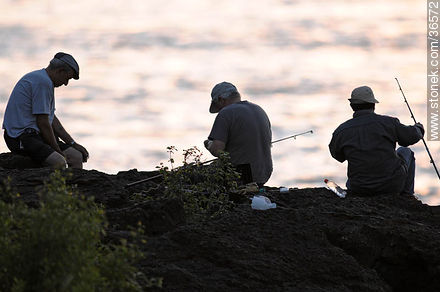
262,203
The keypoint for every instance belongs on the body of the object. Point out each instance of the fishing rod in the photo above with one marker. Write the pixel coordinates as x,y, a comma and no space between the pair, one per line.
412,116
293,136
160,175
211,160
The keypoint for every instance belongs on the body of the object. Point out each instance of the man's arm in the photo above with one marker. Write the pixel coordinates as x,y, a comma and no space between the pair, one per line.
47,132
216,147
335,150
408,135
59,130
219,133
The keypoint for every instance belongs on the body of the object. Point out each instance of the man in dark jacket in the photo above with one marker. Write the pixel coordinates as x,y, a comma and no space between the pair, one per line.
368,143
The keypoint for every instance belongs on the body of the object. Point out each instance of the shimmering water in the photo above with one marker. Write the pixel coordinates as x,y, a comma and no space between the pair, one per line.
148,66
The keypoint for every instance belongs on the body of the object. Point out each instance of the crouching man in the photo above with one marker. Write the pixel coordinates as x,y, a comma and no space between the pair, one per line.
242,129
368,143
30,124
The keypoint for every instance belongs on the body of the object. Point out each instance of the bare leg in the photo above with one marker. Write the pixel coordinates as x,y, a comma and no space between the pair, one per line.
74,157
55,160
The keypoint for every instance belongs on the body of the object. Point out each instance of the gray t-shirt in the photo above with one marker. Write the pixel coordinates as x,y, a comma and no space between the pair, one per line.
245,129
32,95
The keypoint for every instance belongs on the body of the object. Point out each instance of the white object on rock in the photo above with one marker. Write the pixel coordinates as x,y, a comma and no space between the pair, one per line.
262,203
284,190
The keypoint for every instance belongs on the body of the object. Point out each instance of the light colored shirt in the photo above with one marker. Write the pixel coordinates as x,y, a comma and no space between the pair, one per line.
32,95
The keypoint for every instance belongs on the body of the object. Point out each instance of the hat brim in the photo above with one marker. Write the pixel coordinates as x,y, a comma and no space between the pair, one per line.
360,101
214,108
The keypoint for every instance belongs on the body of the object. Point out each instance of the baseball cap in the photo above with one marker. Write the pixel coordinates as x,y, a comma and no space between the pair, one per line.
362,94
69,60
218,90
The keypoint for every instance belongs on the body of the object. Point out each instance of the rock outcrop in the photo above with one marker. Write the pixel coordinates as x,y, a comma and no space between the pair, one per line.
312,241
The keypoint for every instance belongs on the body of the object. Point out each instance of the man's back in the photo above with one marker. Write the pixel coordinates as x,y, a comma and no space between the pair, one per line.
368,142
33,94
246,131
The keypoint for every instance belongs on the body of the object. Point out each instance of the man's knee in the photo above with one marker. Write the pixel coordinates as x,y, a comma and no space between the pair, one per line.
405,152
407,155
55,160
74,157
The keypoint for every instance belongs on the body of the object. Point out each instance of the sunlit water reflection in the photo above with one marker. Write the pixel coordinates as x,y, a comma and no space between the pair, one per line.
147,68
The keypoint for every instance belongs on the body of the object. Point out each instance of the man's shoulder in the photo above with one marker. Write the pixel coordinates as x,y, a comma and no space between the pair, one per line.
364,119
247,103
345,125
355,121
386,118
243,105
232,108
37,76
242,109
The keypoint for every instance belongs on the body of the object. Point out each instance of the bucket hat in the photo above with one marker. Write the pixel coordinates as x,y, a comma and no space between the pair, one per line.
362,94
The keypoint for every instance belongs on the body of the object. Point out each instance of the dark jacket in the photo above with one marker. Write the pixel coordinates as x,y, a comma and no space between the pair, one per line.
368,142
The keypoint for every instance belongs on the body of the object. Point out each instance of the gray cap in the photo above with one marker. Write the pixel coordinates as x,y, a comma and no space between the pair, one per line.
69,60
362,94
218,90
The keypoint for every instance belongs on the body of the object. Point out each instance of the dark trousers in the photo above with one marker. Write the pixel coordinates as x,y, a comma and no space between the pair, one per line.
410,164
407,187
31,143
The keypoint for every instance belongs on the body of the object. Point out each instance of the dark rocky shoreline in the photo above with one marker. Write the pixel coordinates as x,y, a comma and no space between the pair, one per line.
312,241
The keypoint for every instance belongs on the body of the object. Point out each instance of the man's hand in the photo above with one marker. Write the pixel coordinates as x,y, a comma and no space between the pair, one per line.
421,128
208,144
84,152
59,130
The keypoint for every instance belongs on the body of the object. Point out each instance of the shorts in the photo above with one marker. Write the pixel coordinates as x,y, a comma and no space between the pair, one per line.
31,144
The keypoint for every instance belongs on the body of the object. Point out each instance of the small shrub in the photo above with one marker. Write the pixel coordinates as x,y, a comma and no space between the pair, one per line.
57,247
202,188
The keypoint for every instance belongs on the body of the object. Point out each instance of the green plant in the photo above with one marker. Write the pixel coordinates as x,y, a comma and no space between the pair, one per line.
57,246
202,188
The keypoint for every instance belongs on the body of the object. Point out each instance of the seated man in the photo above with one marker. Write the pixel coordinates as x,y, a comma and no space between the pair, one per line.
30,124
368,142
242,129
